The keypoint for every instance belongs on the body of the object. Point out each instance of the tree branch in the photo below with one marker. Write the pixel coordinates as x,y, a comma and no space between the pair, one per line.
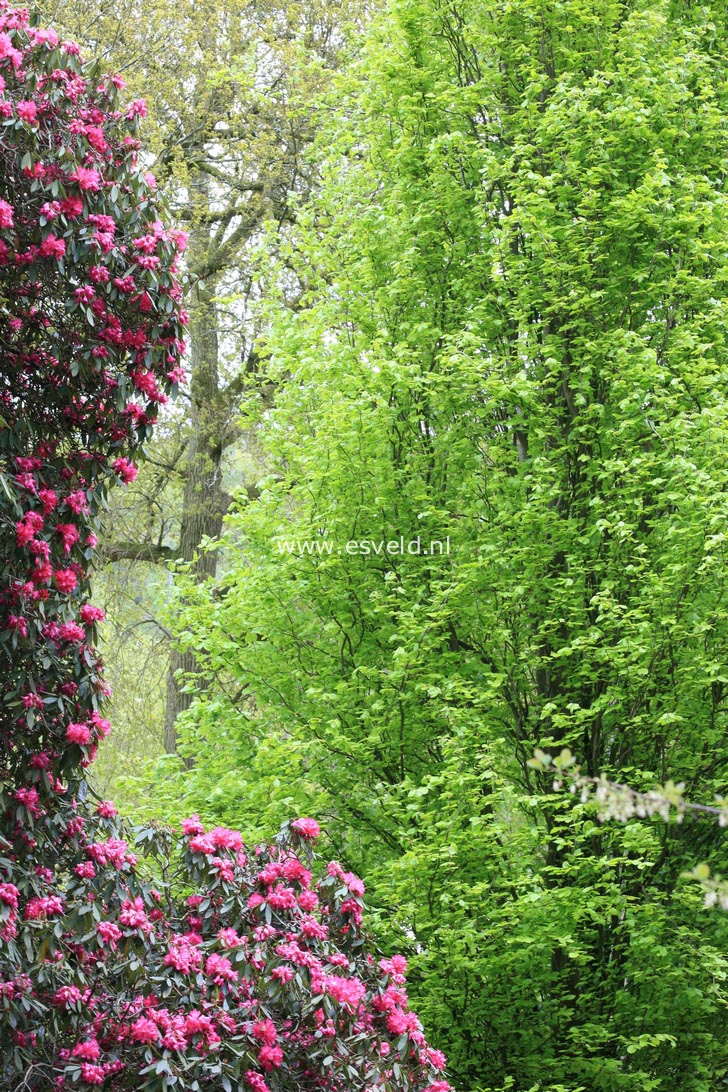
137,551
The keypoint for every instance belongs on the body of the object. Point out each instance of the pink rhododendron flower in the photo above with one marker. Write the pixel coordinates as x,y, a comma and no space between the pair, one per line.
9,894
138,108
69,534
108,933
192,825
65,580
18,623
145,1030
220,969
93,1074
133,915
125,470
46,906
8,50
256,1081
90,614
183,956
89,1050
87,178
27,112
270,1057
78,733
52,247
306,828
265,1031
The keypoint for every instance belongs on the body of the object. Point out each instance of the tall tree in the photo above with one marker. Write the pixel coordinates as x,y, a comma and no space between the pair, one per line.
515,347
229,89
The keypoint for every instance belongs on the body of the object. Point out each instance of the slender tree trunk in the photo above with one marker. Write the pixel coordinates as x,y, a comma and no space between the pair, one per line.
204,501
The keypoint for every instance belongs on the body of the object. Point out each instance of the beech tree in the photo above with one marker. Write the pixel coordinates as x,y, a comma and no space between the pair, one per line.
205,965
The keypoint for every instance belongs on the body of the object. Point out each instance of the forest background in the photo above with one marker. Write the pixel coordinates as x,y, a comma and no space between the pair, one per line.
457,272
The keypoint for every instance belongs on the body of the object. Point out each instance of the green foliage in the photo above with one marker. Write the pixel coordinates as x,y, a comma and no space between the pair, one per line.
515,342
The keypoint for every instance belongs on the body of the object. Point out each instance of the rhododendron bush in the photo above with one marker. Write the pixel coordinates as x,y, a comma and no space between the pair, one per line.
130,958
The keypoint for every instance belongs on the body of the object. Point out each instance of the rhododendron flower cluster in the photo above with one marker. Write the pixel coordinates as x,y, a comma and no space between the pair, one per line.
131,958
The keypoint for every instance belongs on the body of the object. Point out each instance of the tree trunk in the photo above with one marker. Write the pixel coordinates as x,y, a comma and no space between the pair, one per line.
204,501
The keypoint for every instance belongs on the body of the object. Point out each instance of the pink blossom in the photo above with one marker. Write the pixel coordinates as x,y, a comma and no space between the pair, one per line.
27,112
229,938
9,894
436,1058
306,828
223,838
47,906
281,897
133,915
49,500
78,733
87,178
125,470
72,206
52,247
95,136
197,1024
144,1030
99,274
65,580
8,50
192,825
270,1057
71,632
265,1031
224,868
29,799
138,108
114,851
308,900
313,929
18,623
78,502
347,991
202,843
396,966
46,36
85,294
220,970
89,1050
108,933
6,214
183,956
66,996
92,1074
69,533
90,614
256,1081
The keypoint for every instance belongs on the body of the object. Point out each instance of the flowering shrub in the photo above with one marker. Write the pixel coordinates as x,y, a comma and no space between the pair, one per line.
130,958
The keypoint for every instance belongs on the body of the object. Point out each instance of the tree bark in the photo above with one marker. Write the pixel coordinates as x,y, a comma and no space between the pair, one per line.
204,501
